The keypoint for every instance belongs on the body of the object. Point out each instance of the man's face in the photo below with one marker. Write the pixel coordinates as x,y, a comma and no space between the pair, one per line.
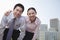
17,11
31,14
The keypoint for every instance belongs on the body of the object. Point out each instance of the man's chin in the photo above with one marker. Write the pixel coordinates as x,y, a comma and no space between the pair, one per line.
32,19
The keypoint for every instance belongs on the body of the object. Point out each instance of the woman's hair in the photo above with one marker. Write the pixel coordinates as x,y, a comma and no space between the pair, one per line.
32,9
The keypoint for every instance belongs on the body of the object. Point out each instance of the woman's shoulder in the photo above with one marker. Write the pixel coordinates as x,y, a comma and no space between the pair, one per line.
37,20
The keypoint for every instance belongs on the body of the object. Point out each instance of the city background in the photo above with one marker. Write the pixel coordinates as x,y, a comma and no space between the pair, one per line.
47,10
53,33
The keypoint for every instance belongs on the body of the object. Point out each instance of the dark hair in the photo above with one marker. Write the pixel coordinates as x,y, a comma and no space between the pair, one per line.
20,5
32,9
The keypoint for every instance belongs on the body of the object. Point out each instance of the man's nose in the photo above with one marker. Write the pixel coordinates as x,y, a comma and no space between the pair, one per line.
18,12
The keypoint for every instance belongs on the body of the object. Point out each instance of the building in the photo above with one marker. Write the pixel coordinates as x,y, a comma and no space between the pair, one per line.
51,35
43,27
54,23
48,35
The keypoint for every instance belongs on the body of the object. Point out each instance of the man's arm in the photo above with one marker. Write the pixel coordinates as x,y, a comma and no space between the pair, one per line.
4,21
3,24
4,18
22,29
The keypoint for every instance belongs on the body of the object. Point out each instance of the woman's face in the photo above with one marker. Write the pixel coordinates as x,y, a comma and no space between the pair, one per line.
31,14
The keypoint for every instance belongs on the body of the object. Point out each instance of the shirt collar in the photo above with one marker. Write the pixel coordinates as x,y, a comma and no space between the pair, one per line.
36,21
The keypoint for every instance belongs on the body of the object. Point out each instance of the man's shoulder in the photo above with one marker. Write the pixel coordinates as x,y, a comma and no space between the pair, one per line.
22,18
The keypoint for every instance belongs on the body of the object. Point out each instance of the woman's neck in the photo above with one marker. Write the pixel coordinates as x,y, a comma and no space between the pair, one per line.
33,20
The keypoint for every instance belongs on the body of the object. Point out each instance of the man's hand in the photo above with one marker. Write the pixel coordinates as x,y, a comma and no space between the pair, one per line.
7,12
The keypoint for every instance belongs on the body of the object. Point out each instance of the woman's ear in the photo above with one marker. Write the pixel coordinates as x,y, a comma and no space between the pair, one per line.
36,13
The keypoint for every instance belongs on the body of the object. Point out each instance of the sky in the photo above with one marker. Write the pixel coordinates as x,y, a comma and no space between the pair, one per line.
46,9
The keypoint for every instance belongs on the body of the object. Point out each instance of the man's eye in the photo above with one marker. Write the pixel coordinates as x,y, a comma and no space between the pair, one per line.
17,10
29,13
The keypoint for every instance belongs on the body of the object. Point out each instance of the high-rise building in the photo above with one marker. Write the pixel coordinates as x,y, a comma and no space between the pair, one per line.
42,35
59,27
58,36
51,35
54,23
48,35
43,27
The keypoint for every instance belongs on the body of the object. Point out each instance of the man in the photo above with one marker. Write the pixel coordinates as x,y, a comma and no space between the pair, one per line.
19,22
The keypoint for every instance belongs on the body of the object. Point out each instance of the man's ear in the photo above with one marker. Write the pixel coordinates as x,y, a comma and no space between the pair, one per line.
27,13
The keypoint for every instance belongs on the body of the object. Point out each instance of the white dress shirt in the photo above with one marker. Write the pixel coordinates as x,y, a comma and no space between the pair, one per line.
19,22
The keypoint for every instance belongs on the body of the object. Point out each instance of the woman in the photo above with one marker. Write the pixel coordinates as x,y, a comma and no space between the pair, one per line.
32,24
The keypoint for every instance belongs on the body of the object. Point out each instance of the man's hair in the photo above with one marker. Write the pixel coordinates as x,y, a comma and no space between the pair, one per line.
19,5
32,9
